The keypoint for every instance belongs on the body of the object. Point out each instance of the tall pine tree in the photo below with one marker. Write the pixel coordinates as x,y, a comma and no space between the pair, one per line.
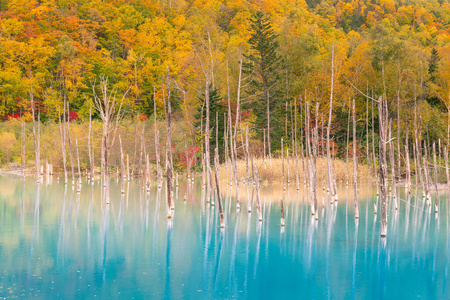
262,65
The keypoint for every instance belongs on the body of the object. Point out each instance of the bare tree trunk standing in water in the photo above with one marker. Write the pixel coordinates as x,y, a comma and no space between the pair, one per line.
418,143
446,167
348,142
258,195
330,169
355,163
426,173
209,186
282,164
297,178
230,129
373,148
22,150
367,128
247,163
225,145
72,166
436,195
106,104
383,124
91,158
188,160
169,165
157,154
79,168
122,167
62,132
309,164
408,164
35,136
266,94
315,140
219,196
398,136
392,164
234,139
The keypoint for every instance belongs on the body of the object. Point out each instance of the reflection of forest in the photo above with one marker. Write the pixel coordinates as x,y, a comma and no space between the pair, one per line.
54,241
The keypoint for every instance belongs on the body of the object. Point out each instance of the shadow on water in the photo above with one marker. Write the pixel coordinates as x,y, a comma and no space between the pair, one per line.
56,243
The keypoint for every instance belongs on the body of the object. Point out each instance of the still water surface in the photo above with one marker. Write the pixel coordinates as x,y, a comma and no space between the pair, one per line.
57,244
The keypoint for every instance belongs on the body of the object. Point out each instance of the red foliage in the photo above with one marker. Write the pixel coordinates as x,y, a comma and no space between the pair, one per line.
191,155
144,117
73,116
12,116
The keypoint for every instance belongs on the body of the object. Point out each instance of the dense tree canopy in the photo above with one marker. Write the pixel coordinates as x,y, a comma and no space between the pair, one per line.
396,48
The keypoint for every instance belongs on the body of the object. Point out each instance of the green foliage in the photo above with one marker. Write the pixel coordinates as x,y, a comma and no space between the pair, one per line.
262,66
217,106
433,65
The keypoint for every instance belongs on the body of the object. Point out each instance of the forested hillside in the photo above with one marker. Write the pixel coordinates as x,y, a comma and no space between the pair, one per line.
400,49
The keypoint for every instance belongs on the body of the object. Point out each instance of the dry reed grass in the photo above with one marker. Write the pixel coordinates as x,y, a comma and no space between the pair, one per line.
271,172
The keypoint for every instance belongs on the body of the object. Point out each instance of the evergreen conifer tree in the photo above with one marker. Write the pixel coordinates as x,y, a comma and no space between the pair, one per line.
433,65
262,66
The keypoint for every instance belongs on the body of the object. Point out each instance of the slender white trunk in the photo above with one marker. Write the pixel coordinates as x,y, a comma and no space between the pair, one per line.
330,169
355,163
35,135
383,123
62,132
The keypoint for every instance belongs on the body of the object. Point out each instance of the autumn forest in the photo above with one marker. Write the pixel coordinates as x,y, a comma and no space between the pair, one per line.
284,77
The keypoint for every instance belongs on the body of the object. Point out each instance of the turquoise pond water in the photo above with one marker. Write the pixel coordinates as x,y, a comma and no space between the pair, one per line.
57,244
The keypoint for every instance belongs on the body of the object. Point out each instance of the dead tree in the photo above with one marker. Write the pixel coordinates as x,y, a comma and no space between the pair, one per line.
309,160
36,139
109,108
142,149
225,145
157,153
436,195
367,128
72,165
297,178
169,164
330,168
90,150
22,149
392,164
247,163
128,169
355,163
398,135
373,148
282,164
347,147
258,195
219,196
408,165
79,168
283,222
188,161
209,185
426,173
446,167
418,141
383,129
301,141
122,167
62,133
234,139
315,140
